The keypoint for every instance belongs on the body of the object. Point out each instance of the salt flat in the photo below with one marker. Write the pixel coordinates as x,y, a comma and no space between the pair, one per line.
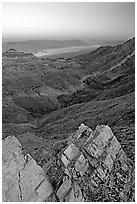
56,51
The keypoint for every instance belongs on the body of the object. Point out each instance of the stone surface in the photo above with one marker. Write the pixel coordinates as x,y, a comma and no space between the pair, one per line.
75,194
71,152
92,167
23,179
65,187
100,172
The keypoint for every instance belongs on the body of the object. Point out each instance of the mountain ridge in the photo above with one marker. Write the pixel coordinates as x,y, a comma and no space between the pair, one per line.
64,82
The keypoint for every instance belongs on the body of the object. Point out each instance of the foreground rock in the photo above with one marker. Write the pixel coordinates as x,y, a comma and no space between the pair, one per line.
92,167
23,179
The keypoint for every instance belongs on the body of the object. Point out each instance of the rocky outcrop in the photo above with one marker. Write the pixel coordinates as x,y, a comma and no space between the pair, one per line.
96,168
92,167
23,180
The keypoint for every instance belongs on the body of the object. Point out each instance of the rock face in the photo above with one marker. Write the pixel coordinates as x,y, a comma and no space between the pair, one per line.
95,168
92,167
23,179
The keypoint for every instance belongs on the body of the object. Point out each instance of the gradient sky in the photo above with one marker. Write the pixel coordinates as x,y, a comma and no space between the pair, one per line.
103,21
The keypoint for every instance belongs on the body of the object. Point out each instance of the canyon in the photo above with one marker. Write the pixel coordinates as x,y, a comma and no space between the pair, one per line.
44,101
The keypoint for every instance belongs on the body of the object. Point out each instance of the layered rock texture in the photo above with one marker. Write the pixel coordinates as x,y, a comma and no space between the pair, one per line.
96,167
92,167
22,179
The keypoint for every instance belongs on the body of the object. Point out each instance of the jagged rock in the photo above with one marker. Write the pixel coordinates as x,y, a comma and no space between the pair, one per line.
64,189
75,194
23,179
98,169
92,167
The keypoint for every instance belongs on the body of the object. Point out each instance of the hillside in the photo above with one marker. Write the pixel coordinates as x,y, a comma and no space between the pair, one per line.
44,99
41,85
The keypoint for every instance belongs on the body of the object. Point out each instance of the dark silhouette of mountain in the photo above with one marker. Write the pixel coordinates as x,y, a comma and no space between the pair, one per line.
38,45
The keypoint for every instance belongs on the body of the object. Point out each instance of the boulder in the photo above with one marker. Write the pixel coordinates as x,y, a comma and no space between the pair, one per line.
23,180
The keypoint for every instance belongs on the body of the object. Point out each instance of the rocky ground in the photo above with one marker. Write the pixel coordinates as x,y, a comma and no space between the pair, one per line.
45,100
92,167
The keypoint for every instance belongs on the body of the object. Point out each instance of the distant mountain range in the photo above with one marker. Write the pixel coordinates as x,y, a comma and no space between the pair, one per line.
105,42
39,45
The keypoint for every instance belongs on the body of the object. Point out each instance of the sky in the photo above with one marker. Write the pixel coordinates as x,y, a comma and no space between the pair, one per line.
72,20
